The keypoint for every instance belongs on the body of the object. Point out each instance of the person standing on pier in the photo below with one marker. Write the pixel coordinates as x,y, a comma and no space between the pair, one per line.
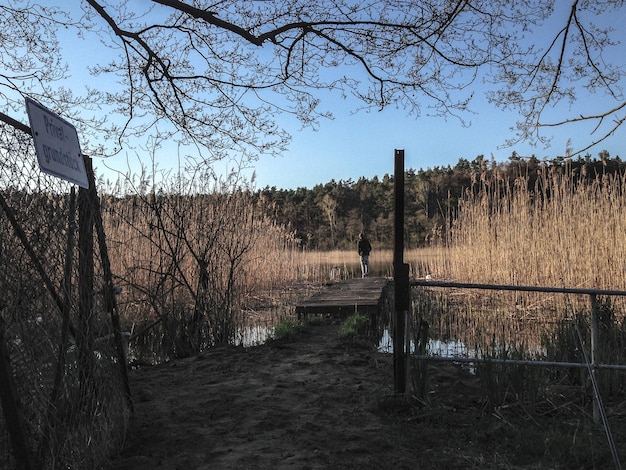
364,247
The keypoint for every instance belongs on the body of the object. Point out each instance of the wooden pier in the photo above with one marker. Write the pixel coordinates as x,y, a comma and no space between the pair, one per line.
342,298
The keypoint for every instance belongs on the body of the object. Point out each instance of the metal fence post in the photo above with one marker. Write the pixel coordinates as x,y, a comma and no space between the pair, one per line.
594,354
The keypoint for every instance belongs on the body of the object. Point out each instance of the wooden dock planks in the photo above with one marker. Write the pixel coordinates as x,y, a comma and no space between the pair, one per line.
346,297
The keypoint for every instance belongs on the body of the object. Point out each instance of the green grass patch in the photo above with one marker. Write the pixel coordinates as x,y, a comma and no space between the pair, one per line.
354,326
287,329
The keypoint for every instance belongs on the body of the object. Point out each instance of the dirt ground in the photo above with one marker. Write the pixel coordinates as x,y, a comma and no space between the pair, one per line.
318,402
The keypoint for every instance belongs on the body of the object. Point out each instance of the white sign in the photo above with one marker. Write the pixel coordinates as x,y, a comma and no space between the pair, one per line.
56,144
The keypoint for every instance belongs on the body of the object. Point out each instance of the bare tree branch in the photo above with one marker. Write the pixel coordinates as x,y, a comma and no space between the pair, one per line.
215,74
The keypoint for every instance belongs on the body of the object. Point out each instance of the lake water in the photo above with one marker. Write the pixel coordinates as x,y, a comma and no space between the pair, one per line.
435,347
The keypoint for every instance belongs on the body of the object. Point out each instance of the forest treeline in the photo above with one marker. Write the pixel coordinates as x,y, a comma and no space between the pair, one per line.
331,215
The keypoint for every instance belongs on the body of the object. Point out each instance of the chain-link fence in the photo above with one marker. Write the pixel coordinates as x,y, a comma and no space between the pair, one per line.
65,400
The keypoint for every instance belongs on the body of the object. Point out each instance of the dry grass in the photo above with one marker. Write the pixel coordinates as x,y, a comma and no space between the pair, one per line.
565,231
320,266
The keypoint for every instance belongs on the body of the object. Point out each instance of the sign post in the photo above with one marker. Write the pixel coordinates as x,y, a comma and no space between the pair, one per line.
56,144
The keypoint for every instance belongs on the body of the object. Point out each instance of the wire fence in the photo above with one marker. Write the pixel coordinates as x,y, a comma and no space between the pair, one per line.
577,336
64,393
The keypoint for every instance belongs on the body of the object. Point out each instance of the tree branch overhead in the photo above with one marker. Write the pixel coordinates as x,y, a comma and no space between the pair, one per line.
216,74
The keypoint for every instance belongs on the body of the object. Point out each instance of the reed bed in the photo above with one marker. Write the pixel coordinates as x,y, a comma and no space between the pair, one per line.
195,269
566,230
209,267
320,266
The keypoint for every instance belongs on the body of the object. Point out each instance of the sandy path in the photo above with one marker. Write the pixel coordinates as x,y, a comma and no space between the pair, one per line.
310,404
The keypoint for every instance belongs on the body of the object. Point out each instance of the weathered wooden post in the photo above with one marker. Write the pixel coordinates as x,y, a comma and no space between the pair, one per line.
86,273
12,410
109,294
401,279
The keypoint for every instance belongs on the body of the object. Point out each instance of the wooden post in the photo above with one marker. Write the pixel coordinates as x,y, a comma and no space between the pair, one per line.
109,294
401,278
84,337
594,354
12,410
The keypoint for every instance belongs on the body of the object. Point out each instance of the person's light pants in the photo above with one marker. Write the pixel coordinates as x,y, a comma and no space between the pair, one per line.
365,265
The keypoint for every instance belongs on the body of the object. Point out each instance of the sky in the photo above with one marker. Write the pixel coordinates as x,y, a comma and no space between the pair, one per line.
352,146
363,144
358,145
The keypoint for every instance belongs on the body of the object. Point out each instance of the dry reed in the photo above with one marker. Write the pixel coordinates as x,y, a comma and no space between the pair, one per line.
568,230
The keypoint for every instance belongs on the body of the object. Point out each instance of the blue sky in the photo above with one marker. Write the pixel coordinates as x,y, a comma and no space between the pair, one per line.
352,146
356,145
362,145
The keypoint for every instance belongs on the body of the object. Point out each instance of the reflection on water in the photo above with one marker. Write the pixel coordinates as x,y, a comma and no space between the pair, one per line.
253,335
470,324
435,347
479,324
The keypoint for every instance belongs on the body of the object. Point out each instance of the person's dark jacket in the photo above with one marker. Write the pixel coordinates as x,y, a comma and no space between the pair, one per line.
364,247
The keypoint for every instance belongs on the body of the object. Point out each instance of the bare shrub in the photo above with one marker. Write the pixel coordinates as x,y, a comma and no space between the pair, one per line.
190,256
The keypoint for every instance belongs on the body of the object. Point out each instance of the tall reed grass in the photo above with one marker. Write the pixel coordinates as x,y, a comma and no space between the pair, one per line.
321,266
189,264
566,230
197,265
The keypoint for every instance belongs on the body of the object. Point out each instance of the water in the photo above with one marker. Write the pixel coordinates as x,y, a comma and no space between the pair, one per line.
253,335
435,347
